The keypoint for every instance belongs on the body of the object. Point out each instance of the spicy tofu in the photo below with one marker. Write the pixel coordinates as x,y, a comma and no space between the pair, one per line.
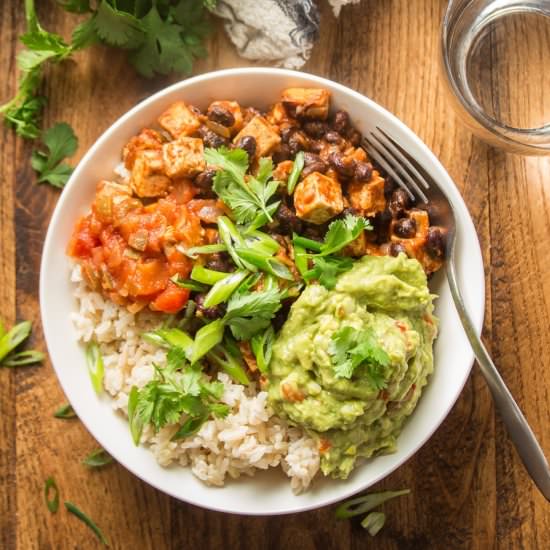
225,118
179,120
146,139
318,198
148,178
184,157
368,198
307,102
265,135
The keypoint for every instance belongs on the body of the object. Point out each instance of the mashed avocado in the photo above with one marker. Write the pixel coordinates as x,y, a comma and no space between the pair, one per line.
355,417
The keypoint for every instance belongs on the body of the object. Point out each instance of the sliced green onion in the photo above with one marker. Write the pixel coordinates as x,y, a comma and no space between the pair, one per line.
300,259
207,337
262,218
262,347
2,329
373,522
11,339
95,366
297,168
176,337
73,509
27,357
229,364
154,338
230,235
270,282
306,243
65,412
366,503
189,427
249,283
189,284
136,424
207,276
97,459
51,502
265,263
223,289
262,242
194,251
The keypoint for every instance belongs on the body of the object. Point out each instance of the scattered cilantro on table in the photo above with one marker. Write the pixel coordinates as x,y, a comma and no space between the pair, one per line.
351,348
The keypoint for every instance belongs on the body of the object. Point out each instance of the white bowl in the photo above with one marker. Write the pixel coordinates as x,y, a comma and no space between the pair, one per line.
268,492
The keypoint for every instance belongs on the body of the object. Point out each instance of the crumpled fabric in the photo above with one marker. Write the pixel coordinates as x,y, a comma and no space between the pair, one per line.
281,32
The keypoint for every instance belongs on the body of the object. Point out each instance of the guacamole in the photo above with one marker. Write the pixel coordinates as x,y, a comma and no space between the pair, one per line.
359,415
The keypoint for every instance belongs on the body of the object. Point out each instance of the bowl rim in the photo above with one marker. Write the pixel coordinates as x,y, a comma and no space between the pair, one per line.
477,316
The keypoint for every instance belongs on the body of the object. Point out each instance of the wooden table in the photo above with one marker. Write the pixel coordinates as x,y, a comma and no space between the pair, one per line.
468,488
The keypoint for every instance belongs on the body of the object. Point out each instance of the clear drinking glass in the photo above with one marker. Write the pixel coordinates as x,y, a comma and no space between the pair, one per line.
496,62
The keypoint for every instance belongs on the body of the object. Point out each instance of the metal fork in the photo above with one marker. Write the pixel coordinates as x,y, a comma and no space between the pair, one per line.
424,190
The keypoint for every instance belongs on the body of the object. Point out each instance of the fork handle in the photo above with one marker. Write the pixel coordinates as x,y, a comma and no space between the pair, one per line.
518,428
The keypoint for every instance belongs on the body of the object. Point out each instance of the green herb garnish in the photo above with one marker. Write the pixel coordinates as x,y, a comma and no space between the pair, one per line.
326,270
65,412
224,288
262,347
60,142
297,168
73,509
373,522
10,340
97,459
230,362
94,360
351,348
52,502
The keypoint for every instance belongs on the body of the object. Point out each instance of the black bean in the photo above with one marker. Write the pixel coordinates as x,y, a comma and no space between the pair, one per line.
341,122
315,128
286,132
281,154
282,314
298,142
204,179
221,115
211,139
248,143
354,137
333,137
399,202
213,312
396,249
349,210
435,243
343,167
381,226
316,146
288,220
389,186
363,171
313,163
220,261
405,228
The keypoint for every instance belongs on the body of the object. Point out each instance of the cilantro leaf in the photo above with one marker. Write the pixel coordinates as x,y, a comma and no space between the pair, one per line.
327,269
342,232
75,6
248,314
118,28
351,349
84,34
60,142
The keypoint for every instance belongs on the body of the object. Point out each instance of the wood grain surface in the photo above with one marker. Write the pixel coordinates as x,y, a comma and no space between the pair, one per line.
468,488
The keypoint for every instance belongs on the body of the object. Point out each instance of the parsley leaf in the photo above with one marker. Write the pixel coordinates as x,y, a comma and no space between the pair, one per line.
60,142
247,196
342,232
327,269
351,348
118,28
248,314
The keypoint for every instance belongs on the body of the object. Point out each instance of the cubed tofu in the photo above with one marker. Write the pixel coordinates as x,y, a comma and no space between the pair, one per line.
307,102
184,157
146,139
278,115
357,247
265,135
148,178
318,198
179,120
368,198
231,107
282,171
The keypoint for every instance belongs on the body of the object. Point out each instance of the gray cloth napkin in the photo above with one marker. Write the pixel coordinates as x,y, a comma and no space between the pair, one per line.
274,31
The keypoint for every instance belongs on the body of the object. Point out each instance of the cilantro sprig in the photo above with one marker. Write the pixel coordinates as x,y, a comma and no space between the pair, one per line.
351,349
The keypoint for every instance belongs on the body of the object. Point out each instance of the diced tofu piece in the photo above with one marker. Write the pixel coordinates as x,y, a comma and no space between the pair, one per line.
278,115
422,220
148,178
265,135
282,170
184,157
146,139
317,198
307,102
356,248
368,198
230,107
179,120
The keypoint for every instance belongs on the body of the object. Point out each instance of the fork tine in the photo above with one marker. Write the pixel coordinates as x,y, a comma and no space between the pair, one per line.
392,145
377,156
397,165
